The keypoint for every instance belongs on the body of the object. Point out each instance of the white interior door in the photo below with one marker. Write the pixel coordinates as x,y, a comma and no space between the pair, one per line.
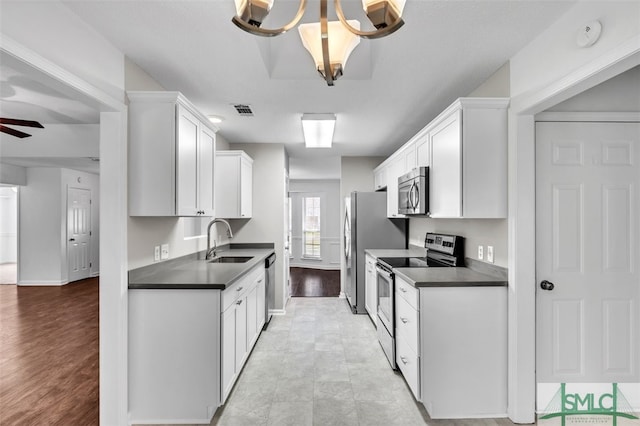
587,252
78,233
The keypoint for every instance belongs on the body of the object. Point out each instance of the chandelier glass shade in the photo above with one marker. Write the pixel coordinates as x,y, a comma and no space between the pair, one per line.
330,43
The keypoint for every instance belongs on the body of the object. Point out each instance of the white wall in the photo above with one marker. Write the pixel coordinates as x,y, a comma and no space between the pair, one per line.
267,222
52,30
8,225
42,231
620,94
330,222
12,175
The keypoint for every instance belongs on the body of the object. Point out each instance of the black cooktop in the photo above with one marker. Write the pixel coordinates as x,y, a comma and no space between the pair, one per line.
409,262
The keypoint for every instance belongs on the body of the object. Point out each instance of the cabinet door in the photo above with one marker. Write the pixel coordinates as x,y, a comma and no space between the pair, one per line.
228,369
246,188
187,163
380,178
445,175
206,160
241,332
252,316
423,153
409,158
371,289
395,170
262,296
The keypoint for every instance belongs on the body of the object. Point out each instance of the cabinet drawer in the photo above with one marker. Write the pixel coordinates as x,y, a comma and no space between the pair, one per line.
407,323
407,292
408,363
240,287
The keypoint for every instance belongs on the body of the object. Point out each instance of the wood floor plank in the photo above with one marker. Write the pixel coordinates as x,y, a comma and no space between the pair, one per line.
308,282
49,362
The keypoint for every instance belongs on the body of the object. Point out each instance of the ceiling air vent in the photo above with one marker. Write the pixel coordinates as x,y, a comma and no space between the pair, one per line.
244,110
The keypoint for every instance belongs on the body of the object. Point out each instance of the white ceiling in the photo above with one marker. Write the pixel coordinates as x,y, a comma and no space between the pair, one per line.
392,86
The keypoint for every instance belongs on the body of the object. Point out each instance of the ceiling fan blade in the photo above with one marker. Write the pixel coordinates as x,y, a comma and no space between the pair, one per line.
13,132
16,122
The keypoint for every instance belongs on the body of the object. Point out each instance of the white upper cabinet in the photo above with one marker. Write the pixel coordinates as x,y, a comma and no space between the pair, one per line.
423,151
380,178
171,156
234,180
468,164
395,169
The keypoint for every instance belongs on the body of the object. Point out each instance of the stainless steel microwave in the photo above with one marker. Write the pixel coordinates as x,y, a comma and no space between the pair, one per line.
413,192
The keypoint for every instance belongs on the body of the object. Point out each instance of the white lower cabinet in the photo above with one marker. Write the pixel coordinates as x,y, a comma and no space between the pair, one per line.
371,289
463,351
187,347
407,334
242,321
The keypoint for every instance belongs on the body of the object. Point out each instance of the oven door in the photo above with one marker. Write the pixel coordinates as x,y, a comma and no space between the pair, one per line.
385,298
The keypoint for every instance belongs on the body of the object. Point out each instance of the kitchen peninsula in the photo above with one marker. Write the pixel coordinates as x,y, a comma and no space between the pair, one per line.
192,325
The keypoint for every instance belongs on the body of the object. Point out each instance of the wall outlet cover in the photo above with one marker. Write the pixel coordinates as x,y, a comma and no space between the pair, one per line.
480,252
164,251
490,254
156,253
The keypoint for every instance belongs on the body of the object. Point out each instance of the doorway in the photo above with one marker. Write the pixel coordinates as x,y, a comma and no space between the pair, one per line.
8,235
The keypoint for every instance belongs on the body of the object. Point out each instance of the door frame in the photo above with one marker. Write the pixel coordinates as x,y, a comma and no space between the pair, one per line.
91,254
113,298
522,216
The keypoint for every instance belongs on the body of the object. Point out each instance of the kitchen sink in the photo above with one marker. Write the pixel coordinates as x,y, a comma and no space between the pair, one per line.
231,259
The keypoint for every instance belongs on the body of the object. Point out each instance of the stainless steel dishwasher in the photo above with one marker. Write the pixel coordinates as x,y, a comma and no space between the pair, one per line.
270,282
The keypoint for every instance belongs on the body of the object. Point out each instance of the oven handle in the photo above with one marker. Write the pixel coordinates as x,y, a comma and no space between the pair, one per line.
384,272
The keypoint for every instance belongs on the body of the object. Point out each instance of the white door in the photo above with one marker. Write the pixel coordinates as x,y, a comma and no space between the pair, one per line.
78,233
588,249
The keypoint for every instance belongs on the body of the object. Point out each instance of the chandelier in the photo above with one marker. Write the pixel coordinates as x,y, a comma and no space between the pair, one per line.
329,42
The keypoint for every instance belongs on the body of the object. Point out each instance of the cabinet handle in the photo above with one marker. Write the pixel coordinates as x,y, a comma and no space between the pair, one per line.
260,280
404,360
239,288
239,302
402,289
404,320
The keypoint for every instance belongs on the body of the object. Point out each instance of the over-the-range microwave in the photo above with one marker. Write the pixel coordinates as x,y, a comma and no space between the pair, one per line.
413,192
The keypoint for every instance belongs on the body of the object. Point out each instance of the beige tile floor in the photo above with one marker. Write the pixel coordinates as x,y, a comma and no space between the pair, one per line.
321,365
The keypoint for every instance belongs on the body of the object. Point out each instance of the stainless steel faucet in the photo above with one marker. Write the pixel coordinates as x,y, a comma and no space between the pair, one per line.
211,251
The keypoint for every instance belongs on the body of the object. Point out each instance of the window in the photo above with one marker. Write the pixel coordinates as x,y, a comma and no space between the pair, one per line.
311,227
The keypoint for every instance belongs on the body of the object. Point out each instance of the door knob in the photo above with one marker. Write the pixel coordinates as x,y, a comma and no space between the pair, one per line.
546,285
72,239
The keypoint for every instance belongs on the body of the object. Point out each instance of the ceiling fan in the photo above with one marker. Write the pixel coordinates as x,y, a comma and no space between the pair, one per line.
16,122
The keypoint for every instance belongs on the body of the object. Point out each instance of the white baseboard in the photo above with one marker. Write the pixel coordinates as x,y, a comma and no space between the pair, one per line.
42,283
170,421
95,274
277,311
342,295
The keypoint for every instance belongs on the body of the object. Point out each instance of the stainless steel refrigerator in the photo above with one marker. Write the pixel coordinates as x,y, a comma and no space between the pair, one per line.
366,226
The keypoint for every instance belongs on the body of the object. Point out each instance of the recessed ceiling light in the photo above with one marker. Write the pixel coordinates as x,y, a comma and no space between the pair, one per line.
318,130
216,119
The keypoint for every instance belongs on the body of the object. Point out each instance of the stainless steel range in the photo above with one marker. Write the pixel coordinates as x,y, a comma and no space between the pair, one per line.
442,251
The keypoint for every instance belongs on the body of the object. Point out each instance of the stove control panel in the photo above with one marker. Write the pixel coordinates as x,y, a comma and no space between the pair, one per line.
449,244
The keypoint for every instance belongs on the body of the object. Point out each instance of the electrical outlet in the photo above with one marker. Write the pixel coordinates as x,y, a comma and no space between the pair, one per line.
490,254
480,252
164,251
156,253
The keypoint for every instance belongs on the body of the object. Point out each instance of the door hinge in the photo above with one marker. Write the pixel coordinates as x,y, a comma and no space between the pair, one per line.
90,264
90,233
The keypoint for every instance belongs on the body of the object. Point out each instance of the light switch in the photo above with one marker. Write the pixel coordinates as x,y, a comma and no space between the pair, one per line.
490,254
156,253
164,251
480,252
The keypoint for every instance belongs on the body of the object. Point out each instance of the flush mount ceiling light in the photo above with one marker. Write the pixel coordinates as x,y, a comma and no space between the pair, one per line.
318,130
330,43
215,119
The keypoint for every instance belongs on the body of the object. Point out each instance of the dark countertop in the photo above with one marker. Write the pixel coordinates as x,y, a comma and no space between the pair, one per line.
193,272
448,277
476,274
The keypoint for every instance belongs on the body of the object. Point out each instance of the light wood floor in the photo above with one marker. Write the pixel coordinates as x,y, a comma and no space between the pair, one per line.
49,354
